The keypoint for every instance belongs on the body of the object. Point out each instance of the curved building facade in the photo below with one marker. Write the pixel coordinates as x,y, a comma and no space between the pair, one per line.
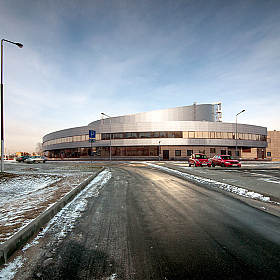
172,133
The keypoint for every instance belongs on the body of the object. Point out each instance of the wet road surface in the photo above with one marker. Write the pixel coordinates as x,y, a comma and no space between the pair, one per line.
147,224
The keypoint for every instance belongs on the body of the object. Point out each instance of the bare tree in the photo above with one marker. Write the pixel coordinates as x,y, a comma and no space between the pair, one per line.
39,149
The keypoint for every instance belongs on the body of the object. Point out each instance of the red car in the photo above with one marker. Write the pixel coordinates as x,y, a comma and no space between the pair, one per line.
199,160
225,161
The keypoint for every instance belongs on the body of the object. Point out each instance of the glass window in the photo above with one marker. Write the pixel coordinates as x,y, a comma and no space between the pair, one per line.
189,152
162,134
212,150
142,134
170,134
269,154
218,135
134,135
223,152
212,134
227,157
148,134
191,134
105,136
205,134
198,134
178,134
224,135
156,134
201,156
127,135
177,153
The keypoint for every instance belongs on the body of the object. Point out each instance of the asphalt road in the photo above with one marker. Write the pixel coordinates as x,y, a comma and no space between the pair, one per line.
147,224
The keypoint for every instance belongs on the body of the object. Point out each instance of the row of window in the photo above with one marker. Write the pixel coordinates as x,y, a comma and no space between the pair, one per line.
126,151
223,135
161,134
140,135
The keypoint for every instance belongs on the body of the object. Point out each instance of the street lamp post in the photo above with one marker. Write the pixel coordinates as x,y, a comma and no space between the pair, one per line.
110,136
159,150
236,131
2,101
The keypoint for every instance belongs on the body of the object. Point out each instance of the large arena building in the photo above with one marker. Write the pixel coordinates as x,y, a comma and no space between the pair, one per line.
173,134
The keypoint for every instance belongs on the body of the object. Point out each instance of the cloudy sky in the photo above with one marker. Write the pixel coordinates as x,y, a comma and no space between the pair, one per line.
81,58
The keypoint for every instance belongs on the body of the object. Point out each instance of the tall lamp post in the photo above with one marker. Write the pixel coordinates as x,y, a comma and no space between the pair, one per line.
236,131
110,136
159,150
2,101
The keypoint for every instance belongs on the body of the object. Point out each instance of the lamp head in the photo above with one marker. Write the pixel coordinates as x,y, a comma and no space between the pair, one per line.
19,45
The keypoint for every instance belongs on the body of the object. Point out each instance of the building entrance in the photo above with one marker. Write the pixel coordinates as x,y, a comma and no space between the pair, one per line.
165,154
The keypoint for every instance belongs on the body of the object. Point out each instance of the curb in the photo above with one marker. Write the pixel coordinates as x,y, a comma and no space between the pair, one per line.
9,247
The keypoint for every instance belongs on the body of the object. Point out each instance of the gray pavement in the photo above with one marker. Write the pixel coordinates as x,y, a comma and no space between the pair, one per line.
262,178
148,224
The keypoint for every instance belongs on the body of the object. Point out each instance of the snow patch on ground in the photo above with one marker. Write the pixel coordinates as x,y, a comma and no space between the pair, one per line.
223,186
14,187
270,180
62,223
8,272
112,277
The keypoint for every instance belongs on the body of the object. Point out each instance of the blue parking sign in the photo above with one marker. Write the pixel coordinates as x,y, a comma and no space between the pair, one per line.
92,133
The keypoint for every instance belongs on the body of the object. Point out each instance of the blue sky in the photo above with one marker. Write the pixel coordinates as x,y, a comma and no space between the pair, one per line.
81,58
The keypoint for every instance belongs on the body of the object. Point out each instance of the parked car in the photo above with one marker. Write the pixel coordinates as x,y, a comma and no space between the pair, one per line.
199,160
35,159
225,161
22,158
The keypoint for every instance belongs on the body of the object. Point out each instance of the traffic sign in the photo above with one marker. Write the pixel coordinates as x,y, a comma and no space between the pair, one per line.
91,140
92,134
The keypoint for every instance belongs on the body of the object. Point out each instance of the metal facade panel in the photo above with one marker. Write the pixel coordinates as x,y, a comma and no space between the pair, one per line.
184,113
174,119
159,126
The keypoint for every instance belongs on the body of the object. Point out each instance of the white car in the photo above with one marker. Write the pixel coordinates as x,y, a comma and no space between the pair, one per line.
36,159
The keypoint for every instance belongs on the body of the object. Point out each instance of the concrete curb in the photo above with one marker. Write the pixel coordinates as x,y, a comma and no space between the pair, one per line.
8,248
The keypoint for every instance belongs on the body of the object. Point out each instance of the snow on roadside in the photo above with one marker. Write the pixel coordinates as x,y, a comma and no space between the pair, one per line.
9,271
24,185
62,223
223,186
25,196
